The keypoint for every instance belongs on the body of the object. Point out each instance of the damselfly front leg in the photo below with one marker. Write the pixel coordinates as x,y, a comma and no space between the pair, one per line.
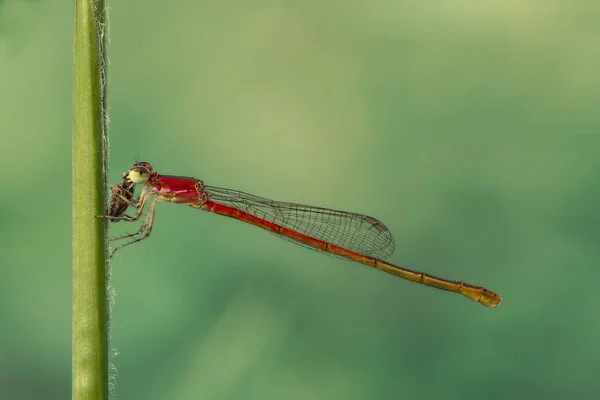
145,229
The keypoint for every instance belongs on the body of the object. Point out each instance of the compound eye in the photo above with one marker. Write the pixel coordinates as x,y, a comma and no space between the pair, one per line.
143,164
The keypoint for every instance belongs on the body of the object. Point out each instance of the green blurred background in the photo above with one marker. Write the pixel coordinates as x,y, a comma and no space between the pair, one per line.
471,128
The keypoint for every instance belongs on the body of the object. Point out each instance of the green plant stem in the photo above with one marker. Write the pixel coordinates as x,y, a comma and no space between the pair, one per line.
90,339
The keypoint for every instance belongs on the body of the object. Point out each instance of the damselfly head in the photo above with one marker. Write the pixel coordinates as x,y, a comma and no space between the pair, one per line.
139,173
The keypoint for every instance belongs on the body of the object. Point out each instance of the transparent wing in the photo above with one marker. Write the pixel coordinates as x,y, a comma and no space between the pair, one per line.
356,232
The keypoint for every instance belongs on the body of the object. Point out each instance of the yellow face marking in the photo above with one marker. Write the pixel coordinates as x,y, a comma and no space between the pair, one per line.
138,175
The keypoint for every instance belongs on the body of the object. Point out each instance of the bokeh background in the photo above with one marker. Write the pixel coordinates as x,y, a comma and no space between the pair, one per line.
471,128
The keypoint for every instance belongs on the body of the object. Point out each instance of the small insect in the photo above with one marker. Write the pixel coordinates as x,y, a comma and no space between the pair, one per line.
121,199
